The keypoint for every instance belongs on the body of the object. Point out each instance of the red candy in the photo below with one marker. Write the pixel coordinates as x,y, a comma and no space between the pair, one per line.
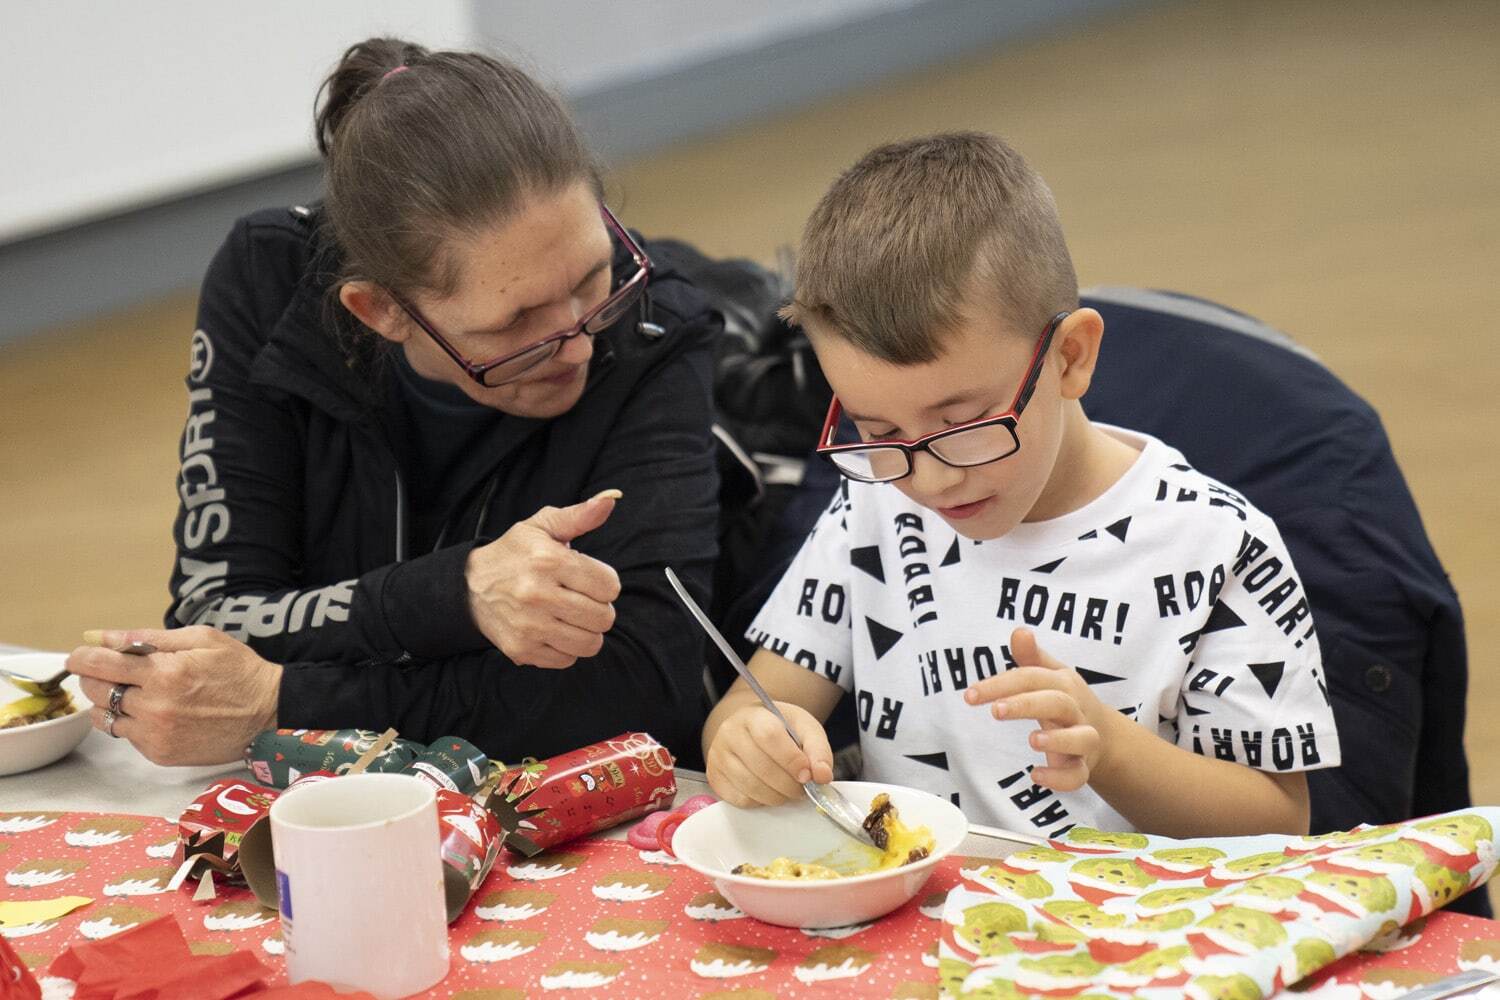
668,829
695,803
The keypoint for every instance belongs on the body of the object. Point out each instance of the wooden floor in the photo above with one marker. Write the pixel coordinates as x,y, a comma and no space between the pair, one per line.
1330,168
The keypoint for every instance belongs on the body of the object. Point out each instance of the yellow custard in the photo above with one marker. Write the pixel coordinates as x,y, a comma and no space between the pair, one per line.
901,845
35,708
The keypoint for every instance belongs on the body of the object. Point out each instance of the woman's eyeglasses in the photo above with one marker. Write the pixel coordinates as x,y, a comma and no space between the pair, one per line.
601,317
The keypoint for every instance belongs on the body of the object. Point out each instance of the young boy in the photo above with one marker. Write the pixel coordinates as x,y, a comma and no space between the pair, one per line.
1051,621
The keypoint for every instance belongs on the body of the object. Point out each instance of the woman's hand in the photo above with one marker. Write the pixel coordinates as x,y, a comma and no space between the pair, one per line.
1073,719
535,599
199,699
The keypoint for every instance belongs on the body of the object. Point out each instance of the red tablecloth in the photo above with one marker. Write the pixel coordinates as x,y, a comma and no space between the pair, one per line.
597,917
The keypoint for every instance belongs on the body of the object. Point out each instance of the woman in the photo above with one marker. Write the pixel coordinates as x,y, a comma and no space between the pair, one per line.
413,411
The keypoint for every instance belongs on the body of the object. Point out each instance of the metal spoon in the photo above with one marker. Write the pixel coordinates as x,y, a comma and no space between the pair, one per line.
829,800
46,687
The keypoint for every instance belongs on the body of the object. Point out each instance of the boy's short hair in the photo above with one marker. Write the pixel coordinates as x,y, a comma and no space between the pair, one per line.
913,230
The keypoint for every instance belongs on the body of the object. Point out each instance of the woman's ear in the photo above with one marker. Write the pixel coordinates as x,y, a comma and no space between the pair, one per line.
1077,344
375,308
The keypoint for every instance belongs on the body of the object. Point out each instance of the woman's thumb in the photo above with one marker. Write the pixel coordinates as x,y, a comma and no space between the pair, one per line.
567,523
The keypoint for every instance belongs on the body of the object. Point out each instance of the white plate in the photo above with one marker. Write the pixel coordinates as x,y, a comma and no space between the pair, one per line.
29,747
715,840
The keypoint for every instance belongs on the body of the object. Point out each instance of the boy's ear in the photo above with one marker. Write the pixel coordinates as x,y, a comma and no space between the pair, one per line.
1076,343
374,307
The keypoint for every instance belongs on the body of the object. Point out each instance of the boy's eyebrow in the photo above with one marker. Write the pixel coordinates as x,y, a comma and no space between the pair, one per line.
490,328
942,404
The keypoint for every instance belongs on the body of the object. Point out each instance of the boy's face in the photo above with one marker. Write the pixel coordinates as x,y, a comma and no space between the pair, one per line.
976,375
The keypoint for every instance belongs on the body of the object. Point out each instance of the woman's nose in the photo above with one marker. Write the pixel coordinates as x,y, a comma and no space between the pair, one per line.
576,350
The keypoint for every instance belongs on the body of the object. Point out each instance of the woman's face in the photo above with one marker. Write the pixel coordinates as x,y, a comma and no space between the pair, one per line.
519,282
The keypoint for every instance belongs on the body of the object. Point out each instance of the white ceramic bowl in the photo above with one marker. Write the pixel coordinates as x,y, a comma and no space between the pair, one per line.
715,840
26,748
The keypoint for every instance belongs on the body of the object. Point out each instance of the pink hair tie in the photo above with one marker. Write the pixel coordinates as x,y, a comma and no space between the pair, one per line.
392,72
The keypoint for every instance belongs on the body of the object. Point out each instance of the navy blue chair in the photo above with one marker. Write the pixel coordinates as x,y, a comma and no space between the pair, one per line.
1250,407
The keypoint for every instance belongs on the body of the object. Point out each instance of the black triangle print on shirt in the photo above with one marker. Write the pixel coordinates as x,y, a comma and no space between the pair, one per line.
1049,567
1119,528
1269,675
939,759
881,638
867,558
1195,711
1220,618
1095,677
1088,535
951,559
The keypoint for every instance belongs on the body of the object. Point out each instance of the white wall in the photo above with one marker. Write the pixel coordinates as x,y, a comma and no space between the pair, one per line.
585,45
109,106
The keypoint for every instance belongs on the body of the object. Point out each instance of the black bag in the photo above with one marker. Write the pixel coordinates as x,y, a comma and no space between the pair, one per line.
770,397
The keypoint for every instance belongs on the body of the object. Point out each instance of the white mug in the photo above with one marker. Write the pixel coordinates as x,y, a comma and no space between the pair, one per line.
360,877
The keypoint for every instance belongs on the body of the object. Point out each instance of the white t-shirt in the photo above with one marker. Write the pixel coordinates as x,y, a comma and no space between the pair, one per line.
1170,594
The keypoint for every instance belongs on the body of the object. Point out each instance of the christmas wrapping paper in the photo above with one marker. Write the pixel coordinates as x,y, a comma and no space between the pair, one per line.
1131,915
278,757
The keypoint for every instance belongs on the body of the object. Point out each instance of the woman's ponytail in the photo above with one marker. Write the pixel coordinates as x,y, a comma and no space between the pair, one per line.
364,65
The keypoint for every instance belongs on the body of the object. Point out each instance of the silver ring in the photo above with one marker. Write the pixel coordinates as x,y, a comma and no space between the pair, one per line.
117,699
110,718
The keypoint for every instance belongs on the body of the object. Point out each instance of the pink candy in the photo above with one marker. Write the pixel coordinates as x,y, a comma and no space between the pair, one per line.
643,837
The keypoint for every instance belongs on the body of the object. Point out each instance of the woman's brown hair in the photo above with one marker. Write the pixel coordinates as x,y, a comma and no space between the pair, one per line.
420,147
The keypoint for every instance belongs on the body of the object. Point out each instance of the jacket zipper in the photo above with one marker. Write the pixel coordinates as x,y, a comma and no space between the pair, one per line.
400,518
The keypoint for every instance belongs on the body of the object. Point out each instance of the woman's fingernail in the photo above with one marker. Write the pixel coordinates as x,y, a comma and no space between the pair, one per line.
971,696
999,709
608,495
804,776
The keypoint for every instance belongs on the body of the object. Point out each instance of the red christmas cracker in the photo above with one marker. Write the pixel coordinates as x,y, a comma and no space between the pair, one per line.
542,803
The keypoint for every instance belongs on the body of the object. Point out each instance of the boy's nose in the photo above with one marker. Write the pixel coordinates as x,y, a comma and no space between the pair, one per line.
931,478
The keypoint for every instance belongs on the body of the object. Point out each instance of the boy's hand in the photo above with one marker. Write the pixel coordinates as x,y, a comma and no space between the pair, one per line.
753,762
1072,717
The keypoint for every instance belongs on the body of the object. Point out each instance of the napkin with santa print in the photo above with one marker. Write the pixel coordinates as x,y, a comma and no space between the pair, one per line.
1133,915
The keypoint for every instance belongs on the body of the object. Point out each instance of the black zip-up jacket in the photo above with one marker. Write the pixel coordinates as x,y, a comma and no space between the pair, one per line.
292,533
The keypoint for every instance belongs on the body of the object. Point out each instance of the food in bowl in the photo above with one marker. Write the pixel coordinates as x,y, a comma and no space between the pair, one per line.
30,742
721,837
34,708
897,843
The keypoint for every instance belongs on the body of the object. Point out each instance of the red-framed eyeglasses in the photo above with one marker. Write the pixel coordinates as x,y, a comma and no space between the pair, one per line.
601,317
963,446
